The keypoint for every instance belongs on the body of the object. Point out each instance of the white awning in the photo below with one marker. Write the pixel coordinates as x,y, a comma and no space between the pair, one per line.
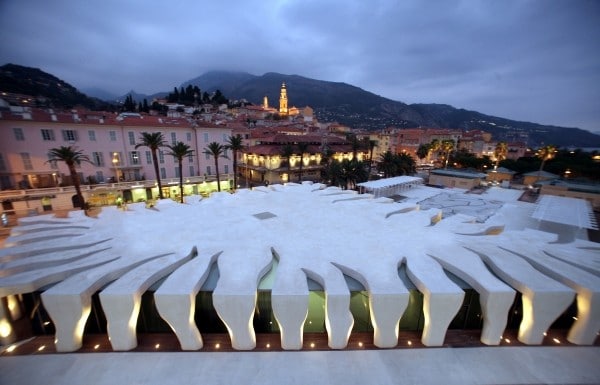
567,211
389,186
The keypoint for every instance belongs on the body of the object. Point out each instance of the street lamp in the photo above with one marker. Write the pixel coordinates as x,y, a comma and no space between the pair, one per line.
115,161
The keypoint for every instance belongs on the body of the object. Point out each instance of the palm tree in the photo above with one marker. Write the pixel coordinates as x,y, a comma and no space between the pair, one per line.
545,153
434,147
447,146
287,152
179,151
387,164
71,156
353,171
217,150
302,149
405,164
154,141
500,153
235,144
355,143
332,173
423,151
371,144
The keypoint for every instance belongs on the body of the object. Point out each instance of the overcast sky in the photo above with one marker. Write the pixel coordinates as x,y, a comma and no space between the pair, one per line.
527,60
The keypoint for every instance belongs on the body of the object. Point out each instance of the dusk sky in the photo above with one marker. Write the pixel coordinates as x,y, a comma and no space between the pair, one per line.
535,60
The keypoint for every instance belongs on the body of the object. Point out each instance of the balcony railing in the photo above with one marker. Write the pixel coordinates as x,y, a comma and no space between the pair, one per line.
40,192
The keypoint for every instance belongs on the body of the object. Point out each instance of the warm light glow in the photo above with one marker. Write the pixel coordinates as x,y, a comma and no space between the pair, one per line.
41,348
217,346
268,346
157,346
5,328
360,344
556,340
96,346
46,323
12,303
575,318
409,343
545,334
11,348
312,344
507,340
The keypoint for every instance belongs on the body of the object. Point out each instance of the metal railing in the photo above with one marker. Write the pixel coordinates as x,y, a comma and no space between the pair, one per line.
40,192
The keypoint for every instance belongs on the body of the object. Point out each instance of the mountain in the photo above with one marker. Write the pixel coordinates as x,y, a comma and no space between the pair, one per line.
358,108
48,90
140,97
331,101
99,93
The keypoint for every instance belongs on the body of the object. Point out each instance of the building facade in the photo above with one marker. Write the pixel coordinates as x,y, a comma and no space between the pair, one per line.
109,141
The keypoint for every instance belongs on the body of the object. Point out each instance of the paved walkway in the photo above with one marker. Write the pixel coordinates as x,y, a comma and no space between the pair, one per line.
496,365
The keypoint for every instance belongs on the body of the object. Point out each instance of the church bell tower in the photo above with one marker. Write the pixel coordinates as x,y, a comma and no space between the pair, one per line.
283,101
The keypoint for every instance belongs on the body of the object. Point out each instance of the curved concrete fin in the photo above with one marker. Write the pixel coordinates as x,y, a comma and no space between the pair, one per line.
544,299
176,298
338,319
69,302
495,297
442,298
121,299
235,296
585,329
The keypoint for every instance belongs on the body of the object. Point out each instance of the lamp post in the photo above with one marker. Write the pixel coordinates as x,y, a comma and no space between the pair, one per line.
115,161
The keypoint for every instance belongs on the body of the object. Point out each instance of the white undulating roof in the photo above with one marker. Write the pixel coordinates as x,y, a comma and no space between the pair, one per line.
298,233
568,211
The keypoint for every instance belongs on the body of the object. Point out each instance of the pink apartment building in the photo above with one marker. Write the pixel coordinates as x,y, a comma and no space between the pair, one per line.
108,139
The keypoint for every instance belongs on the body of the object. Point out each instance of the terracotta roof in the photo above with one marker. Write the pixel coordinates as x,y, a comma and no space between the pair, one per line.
80,116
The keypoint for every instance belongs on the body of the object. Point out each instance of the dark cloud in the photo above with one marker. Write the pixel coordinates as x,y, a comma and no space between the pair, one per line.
529,60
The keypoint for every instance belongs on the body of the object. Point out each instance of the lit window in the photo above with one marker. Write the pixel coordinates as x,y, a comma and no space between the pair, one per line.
134,157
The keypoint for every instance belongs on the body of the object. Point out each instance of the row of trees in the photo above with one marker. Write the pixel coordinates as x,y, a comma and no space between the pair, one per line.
446,149
190,96
72,156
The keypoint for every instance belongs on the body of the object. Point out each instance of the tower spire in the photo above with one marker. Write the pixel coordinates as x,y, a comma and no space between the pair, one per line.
283,101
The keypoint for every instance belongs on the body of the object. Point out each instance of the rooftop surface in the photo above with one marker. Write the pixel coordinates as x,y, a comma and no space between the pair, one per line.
292,233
